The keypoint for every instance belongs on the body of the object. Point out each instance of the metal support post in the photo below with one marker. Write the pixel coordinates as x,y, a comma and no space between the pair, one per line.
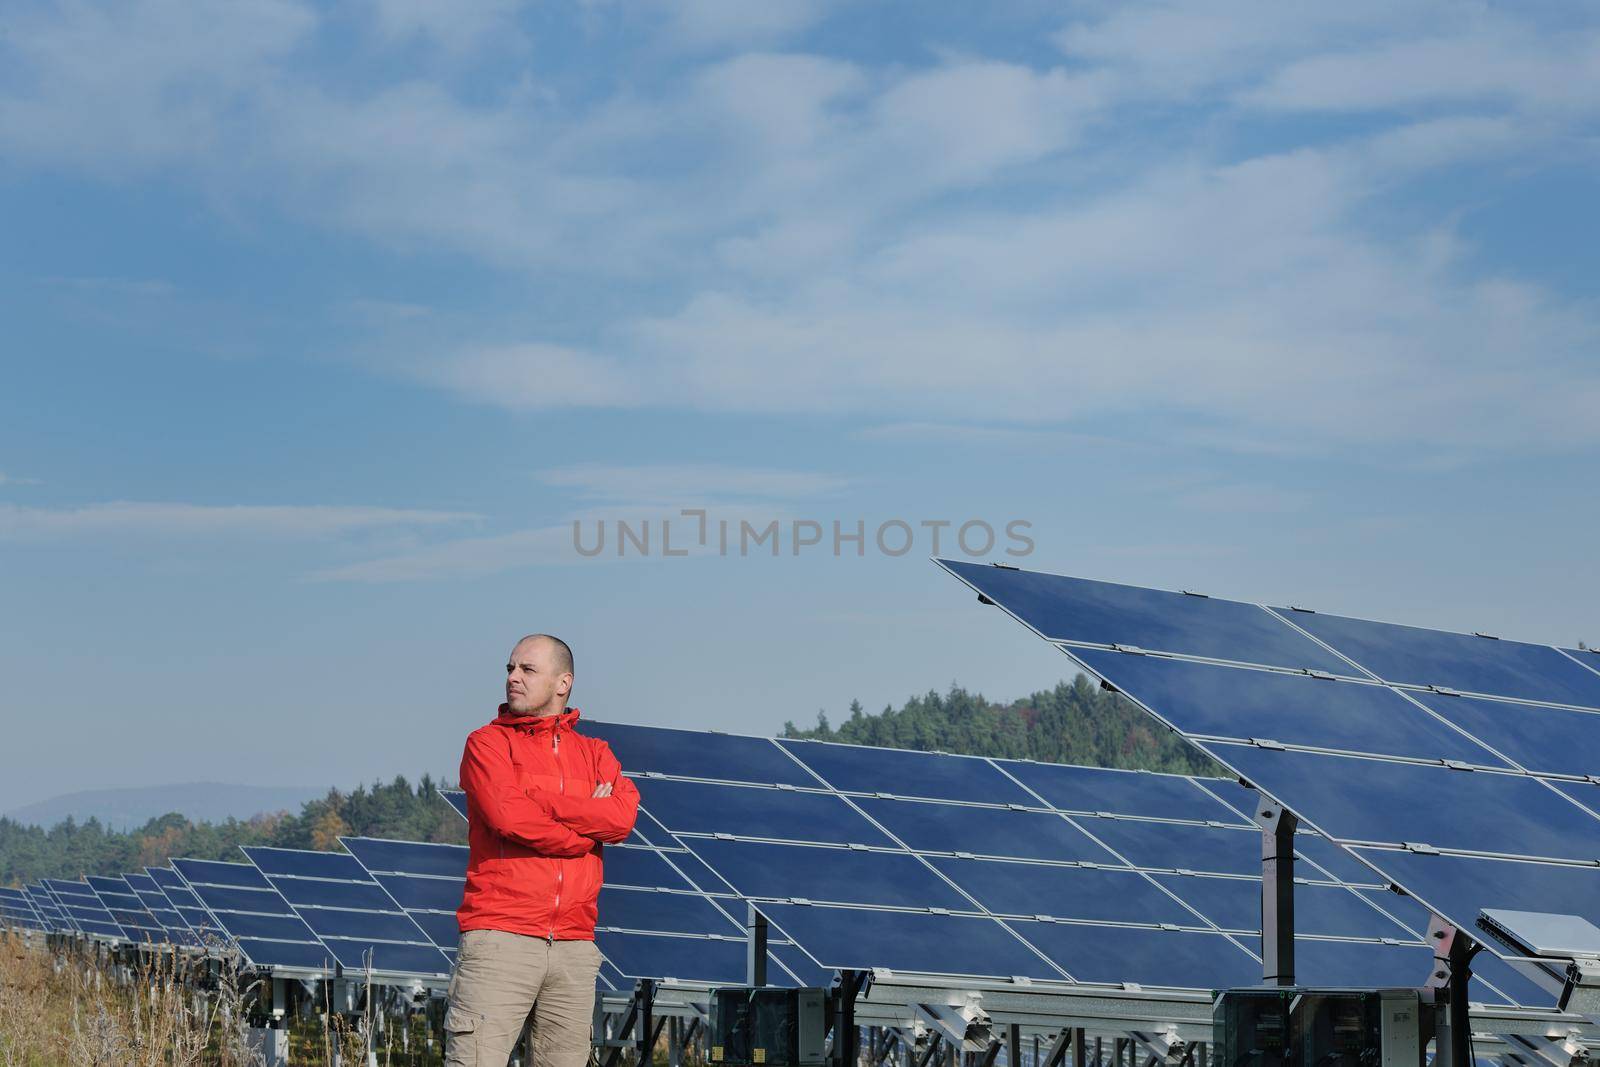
846,1041
645,995
1452,970
1277,893
755,960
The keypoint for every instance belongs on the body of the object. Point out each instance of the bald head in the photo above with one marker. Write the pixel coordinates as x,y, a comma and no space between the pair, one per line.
539,676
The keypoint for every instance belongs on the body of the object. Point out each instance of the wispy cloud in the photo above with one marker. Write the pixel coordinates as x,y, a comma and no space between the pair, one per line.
590,537
688,483
205,520
466,557
917,240
11,479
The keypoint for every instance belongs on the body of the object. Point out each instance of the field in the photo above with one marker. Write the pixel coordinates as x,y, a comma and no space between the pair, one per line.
64,1009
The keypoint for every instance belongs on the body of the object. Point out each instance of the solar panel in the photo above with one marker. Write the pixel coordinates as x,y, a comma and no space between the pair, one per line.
1454,797
265,929
650,914
1059,608
17,910
456,799
859,769
127,909
1112,885
83,908
1469,663
160,908
47,908
423,878
350,912
188,907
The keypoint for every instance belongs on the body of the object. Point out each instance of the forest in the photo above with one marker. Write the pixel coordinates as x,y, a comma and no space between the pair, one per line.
1075,722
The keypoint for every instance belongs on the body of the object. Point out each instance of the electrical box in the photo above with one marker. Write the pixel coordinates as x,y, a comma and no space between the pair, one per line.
1293,1026
768,1026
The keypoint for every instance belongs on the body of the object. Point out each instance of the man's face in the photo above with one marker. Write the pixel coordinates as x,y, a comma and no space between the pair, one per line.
533,684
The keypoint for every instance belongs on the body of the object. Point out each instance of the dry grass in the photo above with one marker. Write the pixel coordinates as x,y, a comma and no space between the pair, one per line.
60,1009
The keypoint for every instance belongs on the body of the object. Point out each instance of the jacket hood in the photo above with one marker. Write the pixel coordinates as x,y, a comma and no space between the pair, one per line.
532,724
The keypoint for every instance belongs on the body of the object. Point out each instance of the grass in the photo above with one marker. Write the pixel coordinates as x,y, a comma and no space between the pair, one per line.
75,1008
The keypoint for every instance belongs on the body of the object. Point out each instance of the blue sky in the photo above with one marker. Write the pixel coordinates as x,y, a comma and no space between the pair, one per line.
324,324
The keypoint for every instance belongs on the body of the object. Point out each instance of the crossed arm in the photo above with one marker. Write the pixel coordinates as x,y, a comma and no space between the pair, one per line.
550,823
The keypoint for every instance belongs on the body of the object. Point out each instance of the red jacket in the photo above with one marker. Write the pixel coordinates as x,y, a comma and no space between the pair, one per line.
535,826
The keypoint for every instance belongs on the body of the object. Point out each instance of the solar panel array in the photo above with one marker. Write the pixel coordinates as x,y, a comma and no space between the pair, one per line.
1459,766
961,865
349,912
263,927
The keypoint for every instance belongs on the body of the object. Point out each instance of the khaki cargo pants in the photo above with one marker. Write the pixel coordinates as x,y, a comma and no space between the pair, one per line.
502,980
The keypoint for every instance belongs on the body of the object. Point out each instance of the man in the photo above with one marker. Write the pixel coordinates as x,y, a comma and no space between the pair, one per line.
541,801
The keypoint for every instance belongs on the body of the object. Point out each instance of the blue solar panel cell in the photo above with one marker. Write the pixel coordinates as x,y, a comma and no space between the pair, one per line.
1510,986
905,941
263,899
363,926
243,925
1179,846
363,955
856,768
687,959
1012,888
1355,963
695,870
1406,911
1550,740
415,892
441,928
1373,800
1116,954
835,875
457,800
312,893
1415,656
307,864
1329,911
667,913
1075,609
409,857
698,807
1460,887
296,955
214,872
698,754
932,827
641,867
1296,709
1318,859
1093,789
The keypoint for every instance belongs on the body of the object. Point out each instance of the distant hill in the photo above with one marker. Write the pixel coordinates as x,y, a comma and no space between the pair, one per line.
127,809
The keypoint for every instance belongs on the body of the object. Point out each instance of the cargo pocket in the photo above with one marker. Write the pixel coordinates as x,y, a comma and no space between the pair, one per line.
461,1036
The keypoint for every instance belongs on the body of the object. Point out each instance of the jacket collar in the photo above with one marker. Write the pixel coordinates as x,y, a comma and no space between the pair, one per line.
534,724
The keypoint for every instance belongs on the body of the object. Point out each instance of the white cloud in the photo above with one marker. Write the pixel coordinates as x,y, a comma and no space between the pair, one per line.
925,241
463,558
689,484
591,537
537,377
453,25
12,479
208,520
730,23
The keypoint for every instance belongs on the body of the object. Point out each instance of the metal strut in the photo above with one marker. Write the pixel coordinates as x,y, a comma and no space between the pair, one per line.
1452,959
1277,892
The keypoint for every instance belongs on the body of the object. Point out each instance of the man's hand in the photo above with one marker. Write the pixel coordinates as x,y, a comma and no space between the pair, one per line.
603,789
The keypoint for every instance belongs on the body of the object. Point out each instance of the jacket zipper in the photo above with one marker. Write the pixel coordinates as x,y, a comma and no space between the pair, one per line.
561,864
